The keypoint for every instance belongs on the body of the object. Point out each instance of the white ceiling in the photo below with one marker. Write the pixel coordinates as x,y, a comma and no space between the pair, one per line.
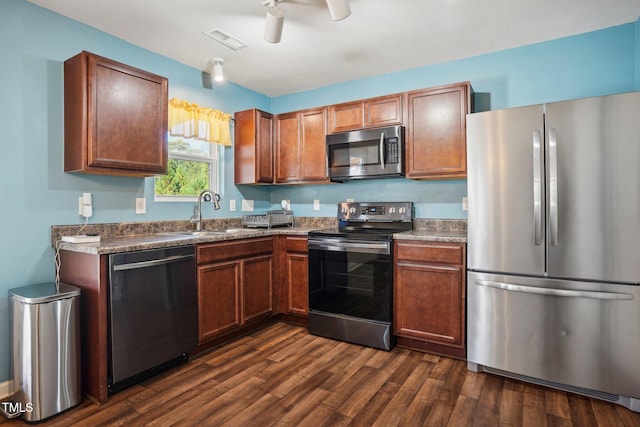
380,36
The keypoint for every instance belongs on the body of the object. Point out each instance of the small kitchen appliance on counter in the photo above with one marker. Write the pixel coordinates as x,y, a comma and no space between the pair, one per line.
269,219
351,273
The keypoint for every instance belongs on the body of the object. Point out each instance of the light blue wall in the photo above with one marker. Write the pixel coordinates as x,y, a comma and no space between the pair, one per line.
36,193
592,64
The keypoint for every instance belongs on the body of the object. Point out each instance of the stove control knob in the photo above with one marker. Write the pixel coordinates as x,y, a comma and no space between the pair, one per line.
392,210
402,211
352,210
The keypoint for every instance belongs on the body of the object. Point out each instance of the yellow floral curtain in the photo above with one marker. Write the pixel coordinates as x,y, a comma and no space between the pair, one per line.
193,121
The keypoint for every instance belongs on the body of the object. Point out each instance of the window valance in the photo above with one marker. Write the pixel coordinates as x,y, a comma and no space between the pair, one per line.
193,121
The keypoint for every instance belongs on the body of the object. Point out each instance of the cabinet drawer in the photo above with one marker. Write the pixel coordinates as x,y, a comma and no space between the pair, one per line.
441,253
214,252
297,244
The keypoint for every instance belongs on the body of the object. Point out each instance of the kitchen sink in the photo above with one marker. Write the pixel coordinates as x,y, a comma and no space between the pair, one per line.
197,233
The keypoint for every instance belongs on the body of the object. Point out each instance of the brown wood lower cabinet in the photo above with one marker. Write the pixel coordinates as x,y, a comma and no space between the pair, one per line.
429,296
235,285
296,272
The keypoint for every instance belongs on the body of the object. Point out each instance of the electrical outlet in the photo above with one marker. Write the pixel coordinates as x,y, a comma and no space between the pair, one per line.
316,205
247,205
465,205
232,205
85,207
141,205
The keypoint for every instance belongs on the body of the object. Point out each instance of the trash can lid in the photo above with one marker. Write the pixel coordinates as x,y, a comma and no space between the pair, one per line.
43,292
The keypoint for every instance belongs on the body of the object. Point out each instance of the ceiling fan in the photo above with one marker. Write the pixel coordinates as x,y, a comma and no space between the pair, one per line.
339,9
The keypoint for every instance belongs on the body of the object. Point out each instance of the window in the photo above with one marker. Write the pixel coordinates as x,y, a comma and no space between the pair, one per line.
192,167
195,133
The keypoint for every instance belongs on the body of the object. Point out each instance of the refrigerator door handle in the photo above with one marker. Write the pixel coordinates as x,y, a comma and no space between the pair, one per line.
537,187
553,188
554,291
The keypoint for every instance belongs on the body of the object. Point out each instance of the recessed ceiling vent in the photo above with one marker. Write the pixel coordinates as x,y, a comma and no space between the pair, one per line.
226,39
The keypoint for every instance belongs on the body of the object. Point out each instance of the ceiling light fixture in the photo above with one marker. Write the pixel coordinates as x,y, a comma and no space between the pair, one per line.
274,23
339,9
214,68
218,74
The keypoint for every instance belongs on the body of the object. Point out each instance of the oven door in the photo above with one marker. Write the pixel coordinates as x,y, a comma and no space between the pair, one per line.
351,278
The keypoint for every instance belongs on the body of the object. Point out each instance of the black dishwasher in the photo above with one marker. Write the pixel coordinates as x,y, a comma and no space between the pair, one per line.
153,312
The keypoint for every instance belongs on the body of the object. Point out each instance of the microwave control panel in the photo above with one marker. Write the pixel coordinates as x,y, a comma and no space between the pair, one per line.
392,150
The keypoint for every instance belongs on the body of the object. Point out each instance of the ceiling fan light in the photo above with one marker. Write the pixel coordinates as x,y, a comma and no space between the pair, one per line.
339,9
218,73
273,25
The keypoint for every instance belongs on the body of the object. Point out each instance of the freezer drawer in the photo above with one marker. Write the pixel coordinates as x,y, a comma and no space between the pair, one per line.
581,334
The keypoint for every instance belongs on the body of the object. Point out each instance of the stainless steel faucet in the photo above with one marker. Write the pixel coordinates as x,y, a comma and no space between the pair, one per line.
208,196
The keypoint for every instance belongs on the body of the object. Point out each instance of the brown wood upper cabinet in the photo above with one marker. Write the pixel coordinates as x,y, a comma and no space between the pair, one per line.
253,147
115,118
301,146
367,113
436,132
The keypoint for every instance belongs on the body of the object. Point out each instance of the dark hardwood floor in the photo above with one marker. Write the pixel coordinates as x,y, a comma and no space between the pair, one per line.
282,376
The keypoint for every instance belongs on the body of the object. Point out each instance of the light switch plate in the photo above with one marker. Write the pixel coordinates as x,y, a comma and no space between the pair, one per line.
141,205
465,205
232,205
316,205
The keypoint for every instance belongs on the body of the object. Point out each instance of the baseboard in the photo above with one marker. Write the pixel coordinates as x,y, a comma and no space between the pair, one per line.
5,389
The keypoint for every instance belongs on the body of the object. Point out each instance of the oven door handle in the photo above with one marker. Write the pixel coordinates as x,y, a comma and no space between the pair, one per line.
335,246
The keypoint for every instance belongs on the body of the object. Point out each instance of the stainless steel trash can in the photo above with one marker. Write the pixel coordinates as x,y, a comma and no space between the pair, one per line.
45,349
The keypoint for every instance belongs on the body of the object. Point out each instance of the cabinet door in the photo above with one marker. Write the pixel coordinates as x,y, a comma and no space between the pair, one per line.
264,147
257,287
313,148
436,132
429,296
218,298
428,302
288,148
344,117
253,147
295,276
115,118
383,111
297,281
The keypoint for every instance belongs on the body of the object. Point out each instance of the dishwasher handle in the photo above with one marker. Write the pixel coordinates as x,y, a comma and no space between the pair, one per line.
152,263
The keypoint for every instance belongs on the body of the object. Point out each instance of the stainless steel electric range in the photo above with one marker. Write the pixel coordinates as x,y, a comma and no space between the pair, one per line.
351,273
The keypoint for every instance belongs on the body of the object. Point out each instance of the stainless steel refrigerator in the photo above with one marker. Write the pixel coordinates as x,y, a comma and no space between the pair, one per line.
553,294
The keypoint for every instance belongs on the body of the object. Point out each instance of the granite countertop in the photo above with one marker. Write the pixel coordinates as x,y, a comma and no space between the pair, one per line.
126,237
140,242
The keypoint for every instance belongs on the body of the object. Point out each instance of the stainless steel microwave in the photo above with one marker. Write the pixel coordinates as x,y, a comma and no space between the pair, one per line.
365,154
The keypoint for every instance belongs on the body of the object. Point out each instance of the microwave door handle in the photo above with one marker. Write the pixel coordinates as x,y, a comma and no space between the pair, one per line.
382,149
